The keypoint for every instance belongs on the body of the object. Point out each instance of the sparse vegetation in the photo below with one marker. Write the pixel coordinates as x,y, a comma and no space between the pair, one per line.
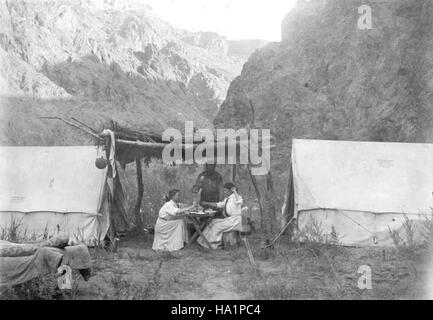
11,232
315,240
310,270
294,271
407,240
40,288
128,289
427,230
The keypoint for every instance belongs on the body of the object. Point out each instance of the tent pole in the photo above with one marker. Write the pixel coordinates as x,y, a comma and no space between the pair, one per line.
288,201
259,196
140,191
290,209
111,229
271,200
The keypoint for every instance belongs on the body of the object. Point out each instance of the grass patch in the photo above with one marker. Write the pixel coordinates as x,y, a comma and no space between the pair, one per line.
126,289
42,288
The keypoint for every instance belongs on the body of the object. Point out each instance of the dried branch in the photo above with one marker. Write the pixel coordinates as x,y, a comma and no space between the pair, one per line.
73,125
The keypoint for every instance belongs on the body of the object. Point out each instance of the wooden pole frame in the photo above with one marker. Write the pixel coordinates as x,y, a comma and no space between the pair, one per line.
288,208
111,194
140,192
234,173
259,196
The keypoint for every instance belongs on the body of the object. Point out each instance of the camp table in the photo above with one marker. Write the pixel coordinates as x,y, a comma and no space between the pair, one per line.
199,225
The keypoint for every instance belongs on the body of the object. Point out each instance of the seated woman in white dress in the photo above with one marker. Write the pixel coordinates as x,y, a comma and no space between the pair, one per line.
170,231
232,205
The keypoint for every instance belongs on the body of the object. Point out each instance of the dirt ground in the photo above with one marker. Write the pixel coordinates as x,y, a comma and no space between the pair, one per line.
290,271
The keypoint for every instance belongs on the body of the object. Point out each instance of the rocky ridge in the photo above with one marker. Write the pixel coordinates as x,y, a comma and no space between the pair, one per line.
327,79
101,60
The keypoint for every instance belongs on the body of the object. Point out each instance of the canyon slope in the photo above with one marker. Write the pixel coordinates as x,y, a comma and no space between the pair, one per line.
329,79
100,60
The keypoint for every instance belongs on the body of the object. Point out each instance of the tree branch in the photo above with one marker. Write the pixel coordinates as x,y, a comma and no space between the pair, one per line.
73,125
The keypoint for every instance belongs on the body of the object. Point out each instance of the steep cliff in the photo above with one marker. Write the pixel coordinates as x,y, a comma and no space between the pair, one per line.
328,79
99,60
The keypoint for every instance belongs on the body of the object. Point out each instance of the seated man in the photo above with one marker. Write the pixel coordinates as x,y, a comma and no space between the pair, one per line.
232,209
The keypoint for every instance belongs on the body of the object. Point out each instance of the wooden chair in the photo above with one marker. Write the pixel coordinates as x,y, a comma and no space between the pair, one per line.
231,240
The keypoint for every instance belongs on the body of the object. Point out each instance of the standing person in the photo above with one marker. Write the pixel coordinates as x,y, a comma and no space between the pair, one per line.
170,229
211,184
232,221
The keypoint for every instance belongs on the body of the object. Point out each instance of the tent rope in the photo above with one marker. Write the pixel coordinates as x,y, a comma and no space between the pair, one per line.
354,221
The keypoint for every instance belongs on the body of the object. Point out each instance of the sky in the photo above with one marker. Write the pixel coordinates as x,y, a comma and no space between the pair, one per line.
234,19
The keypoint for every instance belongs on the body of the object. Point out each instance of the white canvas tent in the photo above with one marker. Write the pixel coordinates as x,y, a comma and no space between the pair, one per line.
51,190
361,189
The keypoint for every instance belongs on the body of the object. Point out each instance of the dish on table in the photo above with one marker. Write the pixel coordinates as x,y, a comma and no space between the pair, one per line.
201,212
210,211
196,212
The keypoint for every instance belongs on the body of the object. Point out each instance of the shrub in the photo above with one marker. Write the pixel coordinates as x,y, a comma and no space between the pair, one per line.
11,232
40,288
405,243
315,240
427,230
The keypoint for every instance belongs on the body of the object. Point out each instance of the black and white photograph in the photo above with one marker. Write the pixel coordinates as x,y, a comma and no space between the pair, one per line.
245,151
